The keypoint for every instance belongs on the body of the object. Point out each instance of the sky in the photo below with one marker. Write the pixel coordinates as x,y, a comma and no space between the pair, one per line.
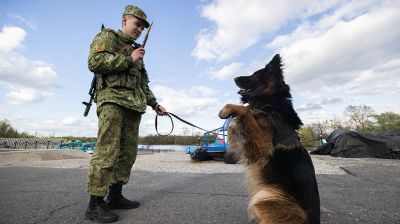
335,53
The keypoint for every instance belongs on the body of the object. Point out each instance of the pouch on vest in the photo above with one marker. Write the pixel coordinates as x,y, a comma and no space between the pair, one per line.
122,79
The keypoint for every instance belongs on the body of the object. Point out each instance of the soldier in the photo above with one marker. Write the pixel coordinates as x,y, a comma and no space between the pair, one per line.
122,95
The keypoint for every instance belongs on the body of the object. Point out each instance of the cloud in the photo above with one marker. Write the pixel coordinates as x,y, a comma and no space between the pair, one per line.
344,48
27,79
183,101
25,95
331,101
381,79
318,105
203,91
309,106
240,24
70,121
25,21
50,125
334,43
227,71
11,38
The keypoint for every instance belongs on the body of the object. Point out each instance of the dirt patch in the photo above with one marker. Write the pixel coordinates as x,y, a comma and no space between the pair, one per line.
40,155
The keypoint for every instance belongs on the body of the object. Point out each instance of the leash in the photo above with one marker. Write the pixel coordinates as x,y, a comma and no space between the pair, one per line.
170,115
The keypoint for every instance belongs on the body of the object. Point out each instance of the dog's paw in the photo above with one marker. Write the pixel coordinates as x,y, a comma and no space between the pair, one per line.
225,112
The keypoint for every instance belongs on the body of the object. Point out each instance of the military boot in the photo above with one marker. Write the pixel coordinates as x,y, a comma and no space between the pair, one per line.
115,200
99,211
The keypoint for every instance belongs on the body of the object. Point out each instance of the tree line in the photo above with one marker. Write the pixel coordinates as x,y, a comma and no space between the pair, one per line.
7,131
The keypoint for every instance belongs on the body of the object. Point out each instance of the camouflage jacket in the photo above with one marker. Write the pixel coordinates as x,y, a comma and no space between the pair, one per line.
119,80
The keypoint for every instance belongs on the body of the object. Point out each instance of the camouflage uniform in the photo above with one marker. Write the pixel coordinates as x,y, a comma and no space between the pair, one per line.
122,95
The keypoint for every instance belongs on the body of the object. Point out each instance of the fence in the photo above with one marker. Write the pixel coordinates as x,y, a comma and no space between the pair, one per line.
30,143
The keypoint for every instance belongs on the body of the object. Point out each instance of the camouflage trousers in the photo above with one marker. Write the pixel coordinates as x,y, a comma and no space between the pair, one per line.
116,148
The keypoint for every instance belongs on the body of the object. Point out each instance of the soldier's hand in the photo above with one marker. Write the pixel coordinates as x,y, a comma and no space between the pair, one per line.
137,54
160,110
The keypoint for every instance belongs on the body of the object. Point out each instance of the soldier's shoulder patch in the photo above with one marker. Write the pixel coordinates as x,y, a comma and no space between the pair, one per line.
100,45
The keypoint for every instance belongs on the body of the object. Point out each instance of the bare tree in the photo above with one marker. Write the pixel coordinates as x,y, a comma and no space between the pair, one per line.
320,129
185,130
336,124
360,117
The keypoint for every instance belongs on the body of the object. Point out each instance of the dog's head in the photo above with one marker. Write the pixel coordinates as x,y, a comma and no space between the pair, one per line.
267,88
266,82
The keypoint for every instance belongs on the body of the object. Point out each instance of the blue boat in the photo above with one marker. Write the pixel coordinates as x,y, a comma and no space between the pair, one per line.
215,145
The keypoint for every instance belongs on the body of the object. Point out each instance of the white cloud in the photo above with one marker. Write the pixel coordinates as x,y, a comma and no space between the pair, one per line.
344,51
203,91
25,95
70,121
381,79
183,101
335,43
11,38
27,79
241,23
228,71
49,125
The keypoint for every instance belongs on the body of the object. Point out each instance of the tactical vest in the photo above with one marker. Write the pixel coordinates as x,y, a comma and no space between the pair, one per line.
135,77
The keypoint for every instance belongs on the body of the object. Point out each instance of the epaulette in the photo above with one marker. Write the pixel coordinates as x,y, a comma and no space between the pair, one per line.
109,30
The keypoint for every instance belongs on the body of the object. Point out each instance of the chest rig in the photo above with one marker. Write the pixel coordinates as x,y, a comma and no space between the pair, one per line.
133,78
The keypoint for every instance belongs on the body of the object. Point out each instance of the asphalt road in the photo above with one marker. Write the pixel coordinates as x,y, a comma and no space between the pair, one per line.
368,194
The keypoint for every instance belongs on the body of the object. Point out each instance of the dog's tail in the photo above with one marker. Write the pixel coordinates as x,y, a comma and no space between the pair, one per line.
272,205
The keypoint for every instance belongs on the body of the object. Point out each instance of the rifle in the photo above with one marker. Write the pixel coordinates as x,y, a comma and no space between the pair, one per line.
147,35
91,93
91,90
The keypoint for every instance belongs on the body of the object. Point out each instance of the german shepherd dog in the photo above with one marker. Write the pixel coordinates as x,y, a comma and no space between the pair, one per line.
280,173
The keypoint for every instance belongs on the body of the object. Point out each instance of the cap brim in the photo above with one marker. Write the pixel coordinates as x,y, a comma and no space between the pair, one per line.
146,24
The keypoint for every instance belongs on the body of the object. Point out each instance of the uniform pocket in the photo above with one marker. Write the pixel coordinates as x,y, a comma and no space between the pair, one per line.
112,80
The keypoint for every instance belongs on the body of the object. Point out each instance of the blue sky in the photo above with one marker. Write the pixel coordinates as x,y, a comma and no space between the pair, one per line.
336,53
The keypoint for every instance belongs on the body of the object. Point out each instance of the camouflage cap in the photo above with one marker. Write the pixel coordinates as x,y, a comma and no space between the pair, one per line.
137,12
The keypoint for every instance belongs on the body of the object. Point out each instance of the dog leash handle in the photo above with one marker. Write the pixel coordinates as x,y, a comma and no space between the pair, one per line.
156,124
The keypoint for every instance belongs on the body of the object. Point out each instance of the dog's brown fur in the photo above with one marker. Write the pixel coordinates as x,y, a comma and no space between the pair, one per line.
280,174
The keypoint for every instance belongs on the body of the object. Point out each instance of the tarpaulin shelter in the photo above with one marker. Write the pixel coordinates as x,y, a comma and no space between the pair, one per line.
352,144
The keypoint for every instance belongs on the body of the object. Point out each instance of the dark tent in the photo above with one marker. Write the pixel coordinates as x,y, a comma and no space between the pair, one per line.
351,144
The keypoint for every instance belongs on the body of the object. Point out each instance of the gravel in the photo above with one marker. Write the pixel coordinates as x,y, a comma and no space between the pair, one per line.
170,162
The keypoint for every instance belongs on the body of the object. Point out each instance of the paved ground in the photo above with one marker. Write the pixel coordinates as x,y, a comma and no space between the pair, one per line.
369,192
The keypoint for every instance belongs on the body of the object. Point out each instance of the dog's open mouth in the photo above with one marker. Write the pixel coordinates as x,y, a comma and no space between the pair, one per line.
241,91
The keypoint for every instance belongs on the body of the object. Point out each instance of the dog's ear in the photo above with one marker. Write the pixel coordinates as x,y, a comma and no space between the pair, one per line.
274,68
275,62
276,59
276,84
